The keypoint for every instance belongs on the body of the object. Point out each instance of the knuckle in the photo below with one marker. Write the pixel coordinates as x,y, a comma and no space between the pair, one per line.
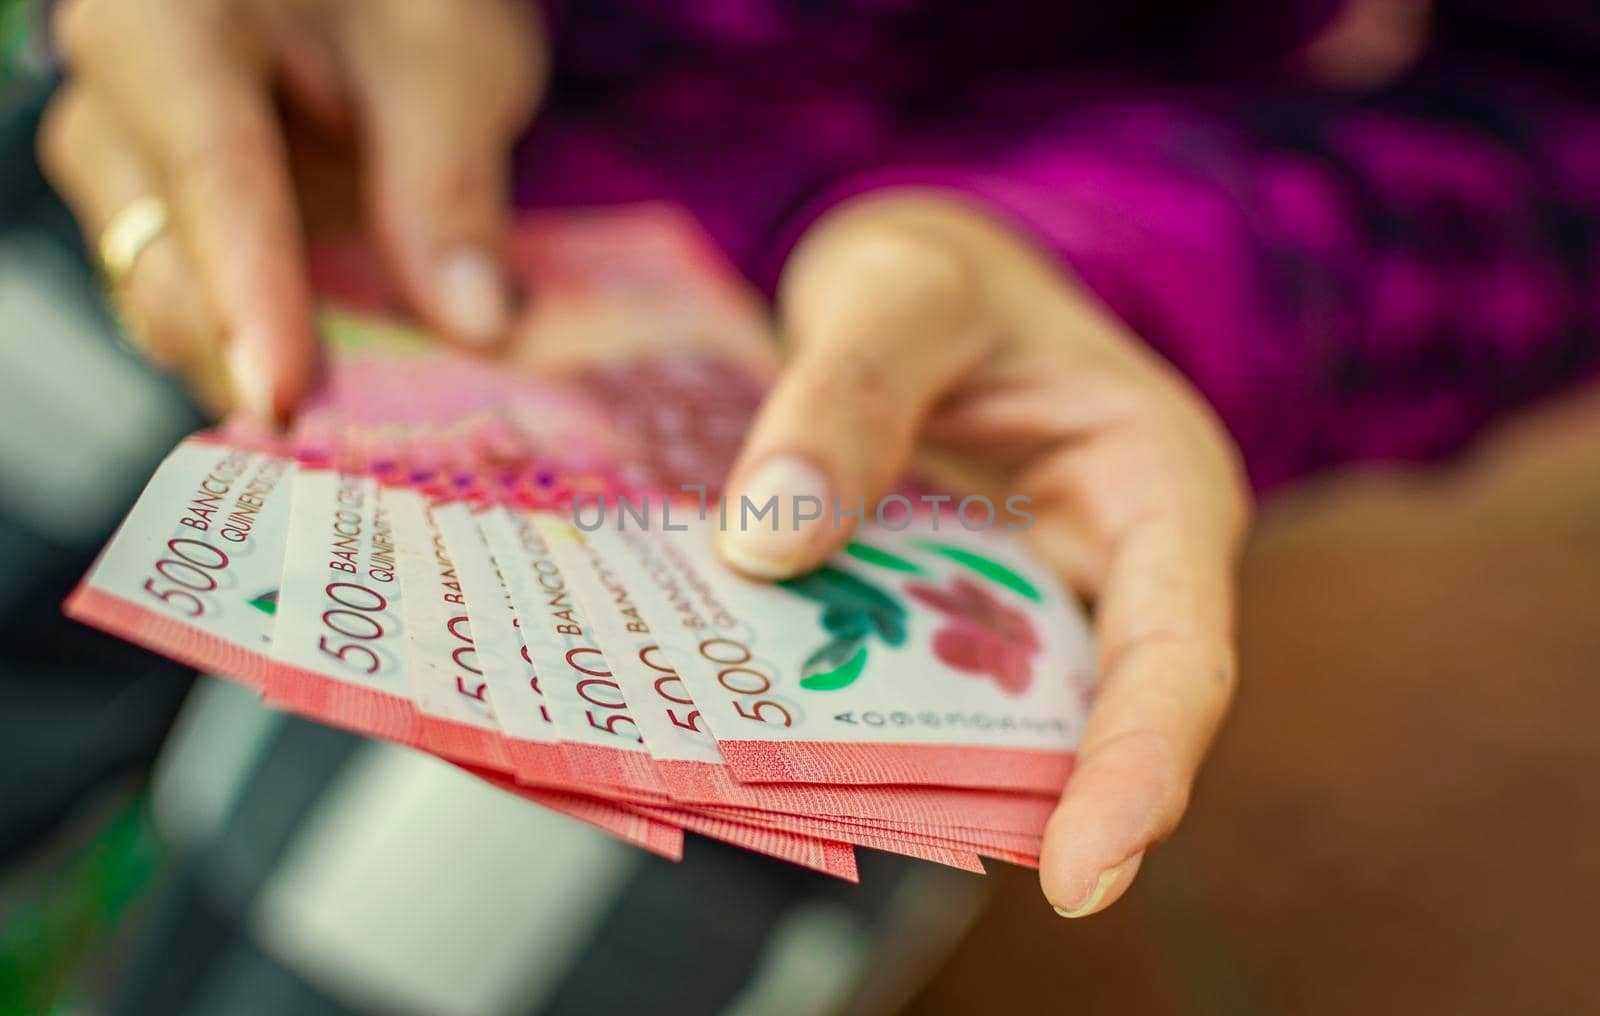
150,329
905,259
877,286
1238,504
229,151
1150,757
88,31
75,25
1211,448
225,166
1175,797
156,344
58,130
1225,675
1227,498
1193,449
1170,785
168,331
824,379
864,382
1177,669
1173,648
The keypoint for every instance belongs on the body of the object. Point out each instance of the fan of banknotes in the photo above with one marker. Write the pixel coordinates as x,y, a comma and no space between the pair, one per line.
513,568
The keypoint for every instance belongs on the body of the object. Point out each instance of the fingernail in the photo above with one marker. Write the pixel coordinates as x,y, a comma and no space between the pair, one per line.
252,385
472,296
1102,888
773,544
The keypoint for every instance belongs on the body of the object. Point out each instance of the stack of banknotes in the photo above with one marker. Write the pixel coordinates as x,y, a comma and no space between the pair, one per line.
511,565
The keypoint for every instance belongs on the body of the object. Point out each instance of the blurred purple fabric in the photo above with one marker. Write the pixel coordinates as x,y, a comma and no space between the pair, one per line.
1344,278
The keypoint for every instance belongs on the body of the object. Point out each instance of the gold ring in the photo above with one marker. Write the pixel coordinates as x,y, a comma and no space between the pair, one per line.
127,235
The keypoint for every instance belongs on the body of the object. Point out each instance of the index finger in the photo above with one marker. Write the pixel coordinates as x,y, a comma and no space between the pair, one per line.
193,93
1165,623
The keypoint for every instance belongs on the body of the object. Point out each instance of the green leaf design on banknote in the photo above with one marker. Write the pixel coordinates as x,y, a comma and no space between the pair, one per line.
836,665
267,602
853,611
988,567
869,554
852,606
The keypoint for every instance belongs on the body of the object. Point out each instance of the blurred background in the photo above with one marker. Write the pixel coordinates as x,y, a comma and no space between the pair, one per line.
1400,816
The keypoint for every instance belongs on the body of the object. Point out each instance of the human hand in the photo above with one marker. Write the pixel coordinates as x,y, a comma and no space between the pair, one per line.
913,319
212,106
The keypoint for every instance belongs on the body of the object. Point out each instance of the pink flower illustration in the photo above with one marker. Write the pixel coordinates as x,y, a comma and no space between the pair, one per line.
983,636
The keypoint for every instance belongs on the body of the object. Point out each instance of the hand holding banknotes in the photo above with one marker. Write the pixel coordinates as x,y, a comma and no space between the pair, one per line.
915,317
914,322
171,111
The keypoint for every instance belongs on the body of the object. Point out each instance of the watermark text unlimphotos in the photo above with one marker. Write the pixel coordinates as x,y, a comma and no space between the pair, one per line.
894,512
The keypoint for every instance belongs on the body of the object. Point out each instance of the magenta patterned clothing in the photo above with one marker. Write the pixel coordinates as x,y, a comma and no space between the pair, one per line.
1345,278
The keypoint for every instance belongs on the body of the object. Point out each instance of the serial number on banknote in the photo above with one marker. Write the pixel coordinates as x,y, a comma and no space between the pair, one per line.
935,721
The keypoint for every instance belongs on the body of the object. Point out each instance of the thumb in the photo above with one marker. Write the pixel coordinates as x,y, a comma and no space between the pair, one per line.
884,317
442,100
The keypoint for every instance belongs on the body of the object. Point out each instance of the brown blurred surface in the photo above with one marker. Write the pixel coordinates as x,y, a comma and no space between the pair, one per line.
1402,814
